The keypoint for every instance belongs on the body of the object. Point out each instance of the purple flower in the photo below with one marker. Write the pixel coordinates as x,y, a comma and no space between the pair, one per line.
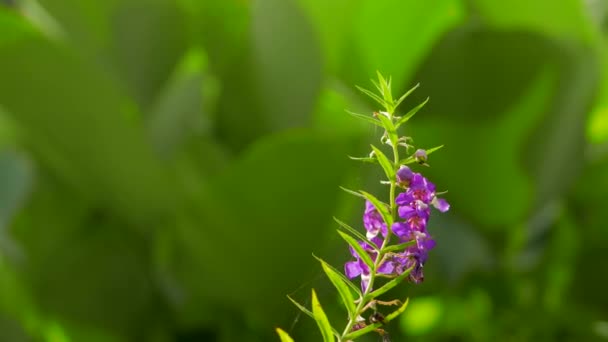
413,257
373,222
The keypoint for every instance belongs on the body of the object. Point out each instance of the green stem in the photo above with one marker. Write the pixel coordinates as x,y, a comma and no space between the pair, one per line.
372,277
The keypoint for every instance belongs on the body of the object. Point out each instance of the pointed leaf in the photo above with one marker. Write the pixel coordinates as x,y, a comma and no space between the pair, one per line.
346,280
406,95
307,312
380,206
321,319
364,159
389,285
389,168
341,284
408,160
352,192
283,335
411,113
302,307
399,247
372,95
365,118
386,90
357,247
356,233
431,150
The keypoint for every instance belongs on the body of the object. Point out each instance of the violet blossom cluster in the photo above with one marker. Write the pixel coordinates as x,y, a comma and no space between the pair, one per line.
414,213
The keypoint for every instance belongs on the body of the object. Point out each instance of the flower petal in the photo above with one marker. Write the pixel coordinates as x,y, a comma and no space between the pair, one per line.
352,269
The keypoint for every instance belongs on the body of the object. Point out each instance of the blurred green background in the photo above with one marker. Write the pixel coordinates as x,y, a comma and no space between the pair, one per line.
168,166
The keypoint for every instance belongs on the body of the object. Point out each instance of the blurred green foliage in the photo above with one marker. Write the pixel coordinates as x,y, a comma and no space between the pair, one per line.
168,166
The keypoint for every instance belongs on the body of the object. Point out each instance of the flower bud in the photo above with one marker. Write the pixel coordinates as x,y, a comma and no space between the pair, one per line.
404,176
420,156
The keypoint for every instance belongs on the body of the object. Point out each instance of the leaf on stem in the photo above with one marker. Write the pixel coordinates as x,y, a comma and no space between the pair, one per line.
356,233
321,319
406,95
372,95
389,285
358,249
352,192
341,284
380,206
411,113
283,335
366,118
364,159
389,168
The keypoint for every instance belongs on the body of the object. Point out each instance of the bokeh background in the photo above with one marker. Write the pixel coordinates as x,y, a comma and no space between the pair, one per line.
167,167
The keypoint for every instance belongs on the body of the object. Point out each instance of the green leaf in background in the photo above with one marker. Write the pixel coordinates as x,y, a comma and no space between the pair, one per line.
358,249
387,165
569,18
380,28
342,285
85,134
288,63
488,128
283,335
183,109
321,319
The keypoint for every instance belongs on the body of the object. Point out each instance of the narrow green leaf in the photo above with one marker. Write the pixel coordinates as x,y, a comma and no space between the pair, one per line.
406,95
358,194
372,95
431,150
386,89
307,312
302,307
408,160
341,284
389,168
375,326
389,285
356,233
364,159
357,247
321,319
400,246
380,89
283,335
366,118
411,113
380,206
346,280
